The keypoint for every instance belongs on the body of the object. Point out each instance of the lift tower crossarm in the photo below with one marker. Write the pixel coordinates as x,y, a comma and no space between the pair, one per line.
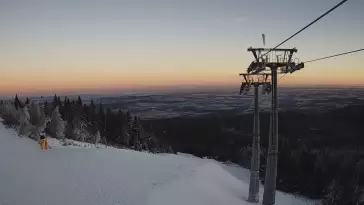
268,49
286,64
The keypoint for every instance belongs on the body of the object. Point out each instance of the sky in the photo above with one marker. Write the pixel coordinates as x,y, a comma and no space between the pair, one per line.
82,46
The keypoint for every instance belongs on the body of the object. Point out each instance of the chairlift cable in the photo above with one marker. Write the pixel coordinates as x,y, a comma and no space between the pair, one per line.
340,54
317,19
323,58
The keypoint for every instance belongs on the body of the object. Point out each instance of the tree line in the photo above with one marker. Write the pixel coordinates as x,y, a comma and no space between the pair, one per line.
73,119
321,154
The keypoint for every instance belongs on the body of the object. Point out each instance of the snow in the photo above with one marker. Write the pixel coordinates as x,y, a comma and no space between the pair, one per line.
52,142
89,176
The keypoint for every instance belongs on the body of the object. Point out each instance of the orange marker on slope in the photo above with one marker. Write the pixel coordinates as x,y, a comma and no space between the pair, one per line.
43,143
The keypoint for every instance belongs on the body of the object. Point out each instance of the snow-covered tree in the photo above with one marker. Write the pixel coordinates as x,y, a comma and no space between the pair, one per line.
4,107
24,118
35,114
9,114
76,129
39,128
27,101
71,129
16,102
97,138
57,125
42,113
14,117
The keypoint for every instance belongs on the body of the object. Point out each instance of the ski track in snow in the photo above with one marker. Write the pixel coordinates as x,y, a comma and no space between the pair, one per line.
65,175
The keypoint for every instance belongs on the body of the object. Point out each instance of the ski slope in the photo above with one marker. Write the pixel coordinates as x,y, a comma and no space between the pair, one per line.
90,176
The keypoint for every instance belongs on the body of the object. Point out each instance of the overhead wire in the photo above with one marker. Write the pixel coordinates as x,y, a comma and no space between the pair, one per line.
308,25
304,28
317,19
318,59
340,54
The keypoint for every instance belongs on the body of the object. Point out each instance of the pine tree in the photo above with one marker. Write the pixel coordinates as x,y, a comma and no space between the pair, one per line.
79,101
46,108
128,117
16,102
9,114
79,131
92,105
69,130
57,125
91,115
39,128
72,119
55,101
85,111
59,102
109,127
24,121
60,107
27,101
66,102
101,119
67,110
97,138
77,107
35,114
122,136
136,133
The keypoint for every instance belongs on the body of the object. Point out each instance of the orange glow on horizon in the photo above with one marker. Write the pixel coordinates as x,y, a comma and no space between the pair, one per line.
99,74
60,82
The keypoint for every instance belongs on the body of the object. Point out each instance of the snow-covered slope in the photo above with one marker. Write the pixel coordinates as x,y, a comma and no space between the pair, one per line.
66,175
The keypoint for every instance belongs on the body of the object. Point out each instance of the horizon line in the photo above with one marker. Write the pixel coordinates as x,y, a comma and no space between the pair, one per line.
162,90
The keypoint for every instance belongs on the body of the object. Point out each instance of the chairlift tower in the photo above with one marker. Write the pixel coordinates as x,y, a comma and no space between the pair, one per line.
273,61
255,80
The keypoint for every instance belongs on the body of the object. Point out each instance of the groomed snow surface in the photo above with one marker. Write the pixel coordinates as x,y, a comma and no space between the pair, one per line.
73,174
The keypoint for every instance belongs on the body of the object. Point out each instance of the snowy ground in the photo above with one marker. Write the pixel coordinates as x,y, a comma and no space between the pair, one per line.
74,175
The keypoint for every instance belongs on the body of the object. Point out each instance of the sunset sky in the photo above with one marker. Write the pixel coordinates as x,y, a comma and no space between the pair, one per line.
73,45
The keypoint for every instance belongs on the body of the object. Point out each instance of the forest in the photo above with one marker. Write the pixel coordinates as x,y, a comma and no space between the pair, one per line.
73,119
321,154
